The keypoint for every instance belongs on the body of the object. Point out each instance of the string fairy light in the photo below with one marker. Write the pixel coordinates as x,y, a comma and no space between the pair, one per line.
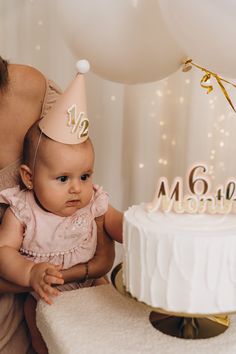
159,93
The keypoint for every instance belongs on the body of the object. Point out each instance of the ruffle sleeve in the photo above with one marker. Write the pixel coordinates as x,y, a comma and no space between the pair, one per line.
16,199
52,93
100,202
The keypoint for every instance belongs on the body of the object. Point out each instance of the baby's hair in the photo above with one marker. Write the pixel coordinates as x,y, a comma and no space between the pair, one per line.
33,138
4,76
31,142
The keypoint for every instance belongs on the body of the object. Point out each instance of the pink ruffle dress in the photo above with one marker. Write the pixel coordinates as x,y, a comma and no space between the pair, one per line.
47,237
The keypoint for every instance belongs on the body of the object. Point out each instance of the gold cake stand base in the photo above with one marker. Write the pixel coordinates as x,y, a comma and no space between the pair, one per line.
181,325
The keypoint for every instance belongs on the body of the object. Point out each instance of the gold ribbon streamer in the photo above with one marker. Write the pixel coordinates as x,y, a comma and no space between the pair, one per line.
208,74
205,78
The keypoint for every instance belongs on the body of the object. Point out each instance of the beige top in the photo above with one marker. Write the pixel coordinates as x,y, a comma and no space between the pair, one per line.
13,333
9,175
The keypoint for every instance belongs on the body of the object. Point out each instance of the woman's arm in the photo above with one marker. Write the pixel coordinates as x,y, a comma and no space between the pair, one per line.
8,287
114,224
100,264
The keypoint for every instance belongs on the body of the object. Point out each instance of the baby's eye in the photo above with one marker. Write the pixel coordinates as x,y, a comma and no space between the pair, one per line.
62,179
85,177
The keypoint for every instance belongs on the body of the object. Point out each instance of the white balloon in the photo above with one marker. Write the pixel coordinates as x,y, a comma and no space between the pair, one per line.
205,30
124,40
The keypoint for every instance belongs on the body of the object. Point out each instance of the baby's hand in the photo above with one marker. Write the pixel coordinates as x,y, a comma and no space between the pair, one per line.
42,276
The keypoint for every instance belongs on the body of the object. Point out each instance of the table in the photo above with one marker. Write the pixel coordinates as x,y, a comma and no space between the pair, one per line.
99,320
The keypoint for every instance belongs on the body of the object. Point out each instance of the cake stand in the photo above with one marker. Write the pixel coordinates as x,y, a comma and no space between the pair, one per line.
182,325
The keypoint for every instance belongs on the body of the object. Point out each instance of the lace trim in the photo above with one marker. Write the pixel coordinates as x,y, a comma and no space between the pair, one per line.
50,254
9,175
11,166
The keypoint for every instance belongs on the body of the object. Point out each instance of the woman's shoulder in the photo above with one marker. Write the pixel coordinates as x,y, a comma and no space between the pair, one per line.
27,81
21,69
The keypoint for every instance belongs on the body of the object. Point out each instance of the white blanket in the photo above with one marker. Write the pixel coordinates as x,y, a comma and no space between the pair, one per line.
99,320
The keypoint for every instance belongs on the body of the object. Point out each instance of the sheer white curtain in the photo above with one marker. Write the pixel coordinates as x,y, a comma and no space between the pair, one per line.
140,132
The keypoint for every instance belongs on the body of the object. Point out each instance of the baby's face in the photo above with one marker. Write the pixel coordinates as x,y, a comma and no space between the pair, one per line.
63,177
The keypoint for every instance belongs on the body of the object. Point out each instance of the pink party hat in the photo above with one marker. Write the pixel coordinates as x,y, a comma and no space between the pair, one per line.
67,121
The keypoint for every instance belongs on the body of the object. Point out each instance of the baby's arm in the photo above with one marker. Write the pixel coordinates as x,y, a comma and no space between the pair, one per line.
102,261
15,268
114,223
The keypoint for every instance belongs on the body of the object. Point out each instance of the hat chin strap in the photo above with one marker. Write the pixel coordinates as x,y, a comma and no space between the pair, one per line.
36,151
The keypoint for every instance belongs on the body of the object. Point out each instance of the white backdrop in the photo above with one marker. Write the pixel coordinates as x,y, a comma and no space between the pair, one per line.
140,132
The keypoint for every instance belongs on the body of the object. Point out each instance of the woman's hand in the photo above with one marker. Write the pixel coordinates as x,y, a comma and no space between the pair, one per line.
102,261
114,224
42,277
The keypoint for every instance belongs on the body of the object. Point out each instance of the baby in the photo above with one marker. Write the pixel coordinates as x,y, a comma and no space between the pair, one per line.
52,221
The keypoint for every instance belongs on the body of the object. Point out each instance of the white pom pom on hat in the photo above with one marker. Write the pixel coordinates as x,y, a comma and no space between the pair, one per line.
82,66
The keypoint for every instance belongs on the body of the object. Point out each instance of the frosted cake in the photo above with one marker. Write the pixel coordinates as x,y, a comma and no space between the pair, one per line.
181,262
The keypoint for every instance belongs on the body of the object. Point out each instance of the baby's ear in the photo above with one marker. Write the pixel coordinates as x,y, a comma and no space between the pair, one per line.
26,176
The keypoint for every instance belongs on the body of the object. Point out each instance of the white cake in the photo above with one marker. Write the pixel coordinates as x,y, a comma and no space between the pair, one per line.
181,263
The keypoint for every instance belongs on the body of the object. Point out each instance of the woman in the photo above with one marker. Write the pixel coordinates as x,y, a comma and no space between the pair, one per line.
25,96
